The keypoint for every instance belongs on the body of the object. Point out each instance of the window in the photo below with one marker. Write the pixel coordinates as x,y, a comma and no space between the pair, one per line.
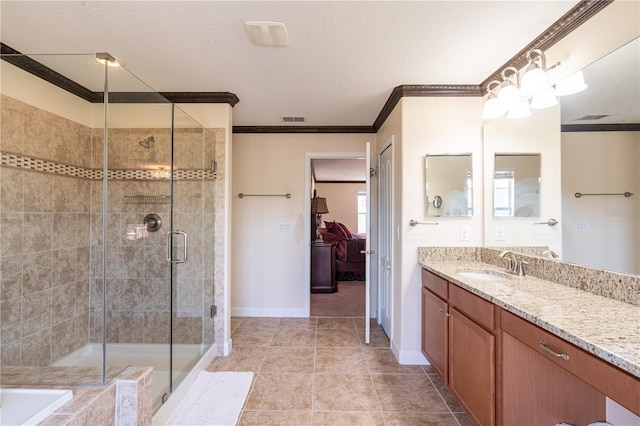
362,212
503,193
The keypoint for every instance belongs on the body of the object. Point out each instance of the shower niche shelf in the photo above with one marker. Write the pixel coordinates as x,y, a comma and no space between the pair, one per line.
147,199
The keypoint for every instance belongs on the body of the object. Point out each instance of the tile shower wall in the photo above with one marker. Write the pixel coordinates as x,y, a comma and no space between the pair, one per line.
138,274
51,224
45,224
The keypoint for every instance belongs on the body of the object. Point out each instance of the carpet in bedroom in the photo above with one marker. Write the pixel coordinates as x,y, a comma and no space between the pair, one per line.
347,301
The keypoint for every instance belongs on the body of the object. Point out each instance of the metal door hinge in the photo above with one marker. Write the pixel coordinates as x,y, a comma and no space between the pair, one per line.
214,310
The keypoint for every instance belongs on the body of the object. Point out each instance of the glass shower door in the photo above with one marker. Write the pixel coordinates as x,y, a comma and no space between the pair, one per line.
191,244
135,219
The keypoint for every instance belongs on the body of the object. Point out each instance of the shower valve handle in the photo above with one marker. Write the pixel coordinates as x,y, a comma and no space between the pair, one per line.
170,258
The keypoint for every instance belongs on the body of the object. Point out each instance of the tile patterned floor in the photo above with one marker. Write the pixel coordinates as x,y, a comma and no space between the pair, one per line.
318,371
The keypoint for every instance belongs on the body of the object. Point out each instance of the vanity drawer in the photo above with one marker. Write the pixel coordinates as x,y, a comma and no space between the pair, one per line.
436,284
474,307
608,379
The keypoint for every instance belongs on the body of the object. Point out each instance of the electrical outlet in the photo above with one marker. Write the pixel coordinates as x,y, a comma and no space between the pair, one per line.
464,233
499,233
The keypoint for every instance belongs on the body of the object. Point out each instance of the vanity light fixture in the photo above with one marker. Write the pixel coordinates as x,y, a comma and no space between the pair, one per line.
509,94
519,111
572,84
492,106
518,95
544,99
534,79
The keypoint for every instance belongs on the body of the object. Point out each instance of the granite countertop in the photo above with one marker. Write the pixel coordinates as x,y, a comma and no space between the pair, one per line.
604,327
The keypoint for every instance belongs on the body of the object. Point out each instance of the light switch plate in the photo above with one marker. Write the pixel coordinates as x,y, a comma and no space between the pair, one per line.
284,227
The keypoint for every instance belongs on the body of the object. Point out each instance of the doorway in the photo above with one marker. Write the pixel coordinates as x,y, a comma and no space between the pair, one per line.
337,183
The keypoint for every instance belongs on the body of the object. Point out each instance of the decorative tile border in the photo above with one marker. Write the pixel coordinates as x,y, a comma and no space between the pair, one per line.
45,166
35,164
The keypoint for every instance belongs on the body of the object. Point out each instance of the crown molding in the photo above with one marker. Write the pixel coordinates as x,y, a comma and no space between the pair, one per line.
423,90
303,129
571,20
612,127
36,68
31,66
202,97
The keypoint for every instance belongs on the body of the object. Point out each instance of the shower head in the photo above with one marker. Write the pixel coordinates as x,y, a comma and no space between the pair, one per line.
146,143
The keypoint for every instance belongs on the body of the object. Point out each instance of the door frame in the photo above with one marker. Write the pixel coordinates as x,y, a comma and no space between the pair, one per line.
388,328
306,294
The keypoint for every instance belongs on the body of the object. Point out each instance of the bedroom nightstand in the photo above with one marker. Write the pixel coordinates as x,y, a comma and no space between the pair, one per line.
323,272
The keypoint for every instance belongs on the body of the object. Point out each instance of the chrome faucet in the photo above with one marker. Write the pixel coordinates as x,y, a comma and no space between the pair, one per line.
552,254
514,263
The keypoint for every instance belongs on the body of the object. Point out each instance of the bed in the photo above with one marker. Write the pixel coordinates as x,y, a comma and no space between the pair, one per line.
350,259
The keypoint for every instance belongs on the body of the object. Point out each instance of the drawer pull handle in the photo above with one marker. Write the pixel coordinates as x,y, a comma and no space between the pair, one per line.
552,352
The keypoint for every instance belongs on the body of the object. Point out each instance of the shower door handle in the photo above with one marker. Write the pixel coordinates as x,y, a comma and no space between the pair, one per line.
170,259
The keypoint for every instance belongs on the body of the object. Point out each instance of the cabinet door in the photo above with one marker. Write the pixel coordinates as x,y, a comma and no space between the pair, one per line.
472,367
538,392
435,332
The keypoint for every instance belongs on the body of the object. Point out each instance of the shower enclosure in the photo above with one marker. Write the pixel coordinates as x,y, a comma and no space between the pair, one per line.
107,209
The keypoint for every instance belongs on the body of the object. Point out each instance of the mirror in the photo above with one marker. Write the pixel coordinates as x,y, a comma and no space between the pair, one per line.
601,156
598,155
516,185
449,185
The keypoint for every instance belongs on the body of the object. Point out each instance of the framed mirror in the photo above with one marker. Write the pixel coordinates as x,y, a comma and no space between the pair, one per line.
449,191
516,185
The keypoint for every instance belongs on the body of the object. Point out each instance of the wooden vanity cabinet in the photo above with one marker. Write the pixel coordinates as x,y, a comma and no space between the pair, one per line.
505,370
435,335
472,354
547,380
458,340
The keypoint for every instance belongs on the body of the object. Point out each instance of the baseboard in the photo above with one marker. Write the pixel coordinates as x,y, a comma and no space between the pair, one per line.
268,312
227,347
405,357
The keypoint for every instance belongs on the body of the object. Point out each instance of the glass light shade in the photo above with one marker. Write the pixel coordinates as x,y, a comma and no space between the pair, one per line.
492,108
534,81
509,96
519,111
544,99
570,85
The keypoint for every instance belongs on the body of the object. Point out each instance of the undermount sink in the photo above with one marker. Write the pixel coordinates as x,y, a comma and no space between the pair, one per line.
485,275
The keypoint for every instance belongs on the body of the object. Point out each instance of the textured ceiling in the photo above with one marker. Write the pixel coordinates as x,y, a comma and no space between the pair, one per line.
343,60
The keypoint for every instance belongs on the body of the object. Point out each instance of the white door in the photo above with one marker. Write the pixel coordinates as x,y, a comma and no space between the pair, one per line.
367,285
385,238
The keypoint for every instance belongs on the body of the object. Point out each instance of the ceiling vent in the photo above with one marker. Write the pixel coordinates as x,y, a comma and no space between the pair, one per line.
292,119
593,117
265,33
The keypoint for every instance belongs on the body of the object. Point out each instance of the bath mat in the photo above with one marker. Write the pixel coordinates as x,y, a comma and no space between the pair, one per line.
214,399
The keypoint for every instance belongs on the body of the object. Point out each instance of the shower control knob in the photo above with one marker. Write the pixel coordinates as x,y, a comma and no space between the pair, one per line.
153,222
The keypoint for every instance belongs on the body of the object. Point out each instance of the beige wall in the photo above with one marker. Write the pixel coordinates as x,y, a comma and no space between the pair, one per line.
601,162
342,201
434,126
539,133
269,267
